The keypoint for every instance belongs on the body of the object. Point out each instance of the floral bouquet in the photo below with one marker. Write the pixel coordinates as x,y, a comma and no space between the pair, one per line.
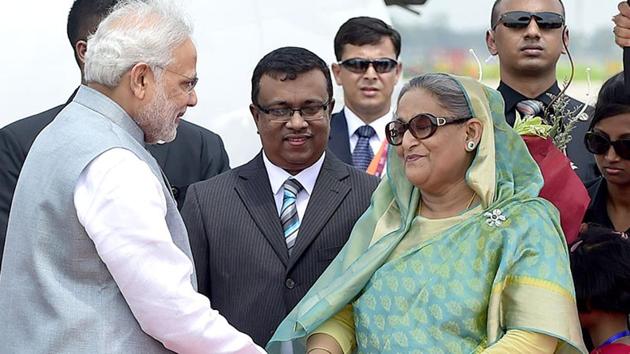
546,139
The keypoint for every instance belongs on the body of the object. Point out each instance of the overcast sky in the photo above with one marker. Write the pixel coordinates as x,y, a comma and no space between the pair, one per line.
582,15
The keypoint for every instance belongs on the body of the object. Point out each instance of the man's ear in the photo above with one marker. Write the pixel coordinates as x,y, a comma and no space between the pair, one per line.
139,77
80,47
565,39
255,113
336,70
490,43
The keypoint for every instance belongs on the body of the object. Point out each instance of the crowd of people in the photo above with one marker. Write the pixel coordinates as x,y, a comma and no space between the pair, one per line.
434,225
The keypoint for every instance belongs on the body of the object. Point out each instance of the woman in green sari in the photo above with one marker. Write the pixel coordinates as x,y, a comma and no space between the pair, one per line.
456,253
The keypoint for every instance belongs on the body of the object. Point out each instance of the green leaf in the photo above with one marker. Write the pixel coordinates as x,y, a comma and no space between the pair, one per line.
531,126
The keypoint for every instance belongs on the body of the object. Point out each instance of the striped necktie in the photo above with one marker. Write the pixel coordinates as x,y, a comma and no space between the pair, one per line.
530,108
288,214
363,154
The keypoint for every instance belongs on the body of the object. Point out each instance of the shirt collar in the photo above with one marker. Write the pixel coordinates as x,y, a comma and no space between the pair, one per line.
354,122
307,177
512,97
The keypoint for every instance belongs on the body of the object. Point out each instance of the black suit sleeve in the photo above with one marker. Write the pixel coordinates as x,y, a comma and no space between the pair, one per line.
11,160
191,213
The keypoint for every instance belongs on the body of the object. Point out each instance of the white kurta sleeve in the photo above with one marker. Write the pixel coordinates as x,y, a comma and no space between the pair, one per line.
120,203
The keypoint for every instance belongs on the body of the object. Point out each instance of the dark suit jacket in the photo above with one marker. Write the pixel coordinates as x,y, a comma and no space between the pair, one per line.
339,139
576,150
238,244
196,154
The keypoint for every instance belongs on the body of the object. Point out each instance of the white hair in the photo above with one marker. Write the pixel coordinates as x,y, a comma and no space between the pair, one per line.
135,31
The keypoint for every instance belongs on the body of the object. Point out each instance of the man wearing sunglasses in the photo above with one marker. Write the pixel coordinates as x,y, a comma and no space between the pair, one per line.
367,68
529,36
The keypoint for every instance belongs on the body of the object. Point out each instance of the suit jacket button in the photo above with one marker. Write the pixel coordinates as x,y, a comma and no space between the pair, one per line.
289,283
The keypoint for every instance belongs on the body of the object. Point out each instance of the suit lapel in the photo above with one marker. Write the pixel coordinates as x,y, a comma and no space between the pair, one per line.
339,141
255,192
329,192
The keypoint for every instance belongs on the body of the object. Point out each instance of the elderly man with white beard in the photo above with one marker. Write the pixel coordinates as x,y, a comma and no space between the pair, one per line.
97,258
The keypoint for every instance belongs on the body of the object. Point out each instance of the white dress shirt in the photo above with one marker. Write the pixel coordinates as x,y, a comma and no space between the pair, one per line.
122,207
306,177
354,122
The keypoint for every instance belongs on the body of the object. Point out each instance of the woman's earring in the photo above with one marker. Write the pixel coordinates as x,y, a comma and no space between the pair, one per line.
470,146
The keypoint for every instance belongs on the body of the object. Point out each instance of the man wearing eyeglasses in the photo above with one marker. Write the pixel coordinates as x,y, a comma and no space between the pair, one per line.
195,154
367,68
529,36
97,258
262,233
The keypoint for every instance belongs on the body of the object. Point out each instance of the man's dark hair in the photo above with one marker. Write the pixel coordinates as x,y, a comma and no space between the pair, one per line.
365,30
612,99
600,264
84,17
288,63
494,16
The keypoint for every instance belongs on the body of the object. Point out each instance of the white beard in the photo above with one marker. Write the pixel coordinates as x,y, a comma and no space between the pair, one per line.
158,119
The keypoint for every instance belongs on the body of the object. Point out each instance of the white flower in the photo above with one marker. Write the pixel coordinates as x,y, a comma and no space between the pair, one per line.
495,218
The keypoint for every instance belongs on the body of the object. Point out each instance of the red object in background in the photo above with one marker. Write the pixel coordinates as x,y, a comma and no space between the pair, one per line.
615,348
562,187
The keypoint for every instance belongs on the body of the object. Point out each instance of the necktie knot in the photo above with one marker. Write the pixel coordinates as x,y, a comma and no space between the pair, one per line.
530,108
365,131
363,154
292,186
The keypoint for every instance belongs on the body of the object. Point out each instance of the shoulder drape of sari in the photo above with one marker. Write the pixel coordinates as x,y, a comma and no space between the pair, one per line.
515,273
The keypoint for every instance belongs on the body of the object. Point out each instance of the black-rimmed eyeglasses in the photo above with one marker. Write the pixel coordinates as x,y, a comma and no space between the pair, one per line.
421,126
309,112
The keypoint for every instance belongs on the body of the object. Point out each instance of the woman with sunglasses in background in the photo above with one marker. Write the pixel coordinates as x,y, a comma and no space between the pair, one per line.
600,264
447,259
609,140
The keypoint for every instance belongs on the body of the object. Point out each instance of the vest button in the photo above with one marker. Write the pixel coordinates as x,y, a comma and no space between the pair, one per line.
289,283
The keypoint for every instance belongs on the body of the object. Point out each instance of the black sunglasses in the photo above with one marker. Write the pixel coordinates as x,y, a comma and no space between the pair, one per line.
359,66
599,144
521,19
421,126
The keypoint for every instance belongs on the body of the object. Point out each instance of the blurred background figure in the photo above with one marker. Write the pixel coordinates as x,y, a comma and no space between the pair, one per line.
600,263
367,68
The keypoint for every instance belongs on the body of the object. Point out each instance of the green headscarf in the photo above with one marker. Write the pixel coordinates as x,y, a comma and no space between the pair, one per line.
507,180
